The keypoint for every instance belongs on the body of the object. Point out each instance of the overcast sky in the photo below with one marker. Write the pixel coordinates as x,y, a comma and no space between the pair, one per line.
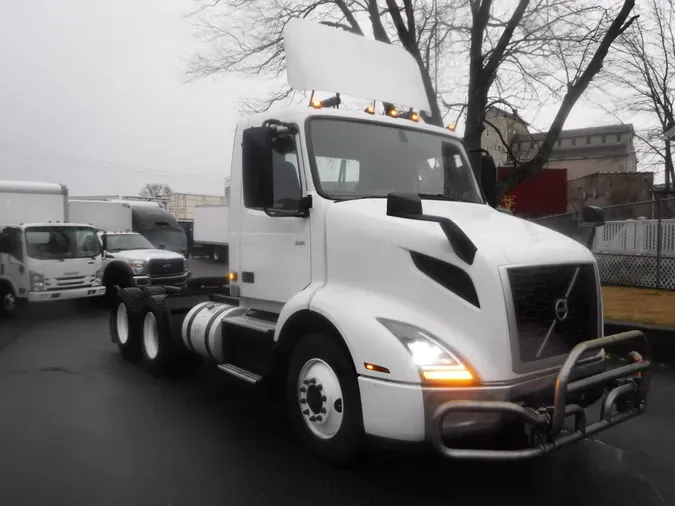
92,95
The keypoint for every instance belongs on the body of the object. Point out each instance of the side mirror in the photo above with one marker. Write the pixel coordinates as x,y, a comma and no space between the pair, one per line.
593,214
489,179
404,205
5,246
257,167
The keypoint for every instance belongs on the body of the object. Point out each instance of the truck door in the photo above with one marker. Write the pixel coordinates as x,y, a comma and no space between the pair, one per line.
275,251
12,264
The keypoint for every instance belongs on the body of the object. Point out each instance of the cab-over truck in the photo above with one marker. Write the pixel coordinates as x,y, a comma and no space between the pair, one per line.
374,284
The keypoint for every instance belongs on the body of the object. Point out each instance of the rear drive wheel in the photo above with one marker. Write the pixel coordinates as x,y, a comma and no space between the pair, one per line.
125,322
323,399
158,352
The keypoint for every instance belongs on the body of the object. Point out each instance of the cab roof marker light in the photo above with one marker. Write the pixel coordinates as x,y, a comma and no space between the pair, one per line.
333,101
392,112
411,115
451,127
370,109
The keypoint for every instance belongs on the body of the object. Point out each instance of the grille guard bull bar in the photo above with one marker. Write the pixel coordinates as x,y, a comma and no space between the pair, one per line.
628,387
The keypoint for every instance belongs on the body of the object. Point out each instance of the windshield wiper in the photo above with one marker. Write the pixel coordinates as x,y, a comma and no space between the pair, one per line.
359,197
443,196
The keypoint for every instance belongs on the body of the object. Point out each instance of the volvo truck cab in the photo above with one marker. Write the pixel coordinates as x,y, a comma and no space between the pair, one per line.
375,286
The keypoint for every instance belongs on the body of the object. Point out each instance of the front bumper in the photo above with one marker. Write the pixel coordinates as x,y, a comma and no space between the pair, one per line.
72,293
175,279
625,388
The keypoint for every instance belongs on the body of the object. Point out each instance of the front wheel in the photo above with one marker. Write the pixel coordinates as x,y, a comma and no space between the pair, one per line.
9,304
323,399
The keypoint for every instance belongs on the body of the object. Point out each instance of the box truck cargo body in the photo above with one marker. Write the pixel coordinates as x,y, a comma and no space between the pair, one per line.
210,231
108,216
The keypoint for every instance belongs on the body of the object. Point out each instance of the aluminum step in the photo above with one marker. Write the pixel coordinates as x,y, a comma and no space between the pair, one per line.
240,373
253,323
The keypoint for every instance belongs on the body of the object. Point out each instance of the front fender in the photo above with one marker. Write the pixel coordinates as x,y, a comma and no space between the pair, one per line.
353,314
119,264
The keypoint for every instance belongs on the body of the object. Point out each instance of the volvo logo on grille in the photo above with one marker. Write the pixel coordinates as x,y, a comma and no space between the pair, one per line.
561,309
166,266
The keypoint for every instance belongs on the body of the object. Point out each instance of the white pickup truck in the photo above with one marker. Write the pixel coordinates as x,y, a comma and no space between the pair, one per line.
132,260
375,286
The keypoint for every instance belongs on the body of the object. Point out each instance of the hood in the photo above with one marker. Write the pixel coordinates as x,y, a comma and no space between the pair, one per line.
147,254
505,239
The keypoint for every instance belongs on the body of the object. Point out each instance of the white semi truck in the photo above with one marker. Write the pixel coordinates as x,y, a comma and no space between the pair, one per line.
374,284
210,231
130,259
42,256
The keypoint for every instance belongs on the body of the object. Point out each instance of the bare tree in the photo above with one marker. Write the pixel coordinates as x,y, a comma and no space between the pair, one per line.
510,51
645,72
155,190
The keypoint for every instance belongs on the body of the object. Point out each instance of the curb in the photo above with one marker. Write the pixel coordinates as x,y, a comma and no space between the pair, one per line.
661,338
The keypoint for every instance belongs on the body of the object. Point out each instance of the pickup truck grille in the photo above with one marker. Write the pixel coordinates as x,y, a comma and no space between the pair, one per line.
542,308
165,267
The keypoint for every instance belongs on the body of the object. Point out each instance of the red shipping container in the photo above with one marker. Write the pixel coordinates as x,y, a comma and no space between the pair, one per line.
542,194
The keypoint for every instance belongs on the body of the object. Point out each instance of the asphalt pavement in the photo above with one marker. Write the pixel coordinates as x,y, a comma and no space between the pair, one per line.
80,426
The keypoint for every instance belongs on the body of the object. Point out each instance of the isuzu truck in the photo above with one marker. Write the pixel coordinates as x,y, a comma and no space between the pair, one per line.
42,256
375,286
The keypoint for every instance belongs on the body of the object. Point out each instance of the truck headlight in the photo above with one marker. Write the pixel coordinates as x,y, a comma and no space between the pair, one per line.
138,266
98,277
37,282
435,363
186,265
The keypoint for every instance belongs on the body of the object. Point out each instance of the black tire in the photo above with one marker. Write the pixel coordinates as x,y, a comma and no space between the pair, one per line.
125,322
342,448
158,352
10,306
113,285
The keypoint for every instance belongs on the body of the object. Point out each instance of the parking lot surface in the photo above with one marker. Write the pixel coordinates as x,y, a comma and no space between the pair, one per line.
80,426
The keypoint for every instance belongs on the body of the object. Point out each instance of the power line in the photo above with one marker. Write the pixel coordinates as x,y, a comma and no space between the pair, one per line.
108,165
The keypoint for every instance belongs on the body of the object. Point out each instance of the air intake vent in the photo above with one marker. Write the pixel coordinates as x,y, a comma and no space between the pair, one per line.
450,276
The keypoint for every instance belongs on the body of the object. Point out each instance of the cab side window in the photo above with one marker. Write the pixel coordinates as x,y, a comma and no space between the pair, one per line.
286,186
16,247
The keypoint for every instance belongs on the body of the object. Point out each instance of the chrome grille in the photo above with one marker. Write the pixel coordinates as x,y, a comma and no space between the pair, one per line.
66,282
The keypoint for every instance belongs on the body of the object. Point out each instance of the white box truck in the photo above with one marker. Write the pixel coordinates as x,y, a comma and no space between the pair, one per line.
130,259
210,231
42,256
374,284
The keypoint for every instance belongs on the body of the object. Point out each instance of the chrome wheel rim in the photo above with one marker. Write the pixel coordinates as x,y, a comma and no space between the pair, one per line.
319,397
150,336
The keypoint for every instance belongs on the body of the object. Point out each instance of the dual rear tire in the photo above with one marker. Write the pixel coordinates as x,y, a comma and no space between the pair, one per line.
141,327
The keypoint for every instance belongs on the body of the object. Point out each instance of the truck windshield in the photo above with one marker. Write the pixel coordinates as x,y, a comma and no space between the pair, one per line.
355,159
49,242
171,239
125,242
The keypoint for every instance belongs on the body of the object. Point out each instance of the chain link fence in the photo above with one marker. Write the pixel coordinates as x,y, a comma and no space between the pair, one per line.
636,245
